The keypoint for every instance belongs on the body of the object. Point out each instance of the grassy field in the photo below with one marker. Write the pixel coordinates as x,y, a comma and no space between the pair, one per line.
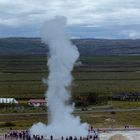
121,119
125,105
95,119
22,76
30,85
21,121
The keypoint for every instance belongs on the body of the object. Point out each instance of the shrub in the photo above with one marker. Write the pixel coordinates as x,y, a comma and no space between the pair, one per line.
113,112
8,124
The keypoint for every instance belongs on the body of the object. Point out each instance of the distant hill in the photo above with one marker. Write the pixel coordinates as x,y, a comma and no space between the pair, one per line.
86,46
22,46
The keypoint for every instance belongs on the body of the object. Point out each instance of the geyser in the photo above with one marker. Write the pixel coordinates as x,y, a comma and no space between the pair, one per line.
62,57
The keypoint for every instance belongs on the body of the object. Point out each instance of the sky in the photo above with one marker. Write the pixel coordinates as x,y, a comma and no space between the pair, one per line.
113,19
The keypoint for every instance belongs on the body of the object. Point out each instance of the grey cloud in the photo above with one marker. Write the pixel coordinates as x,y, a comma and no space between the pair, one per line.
117,16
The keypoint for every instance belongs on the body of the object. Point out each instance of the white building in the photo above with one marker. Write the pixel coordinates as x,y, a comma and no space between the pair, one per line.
8,101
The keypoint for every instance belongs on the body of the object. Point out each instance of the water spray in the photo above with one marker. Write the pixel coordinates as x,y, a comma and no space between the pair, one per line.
62,57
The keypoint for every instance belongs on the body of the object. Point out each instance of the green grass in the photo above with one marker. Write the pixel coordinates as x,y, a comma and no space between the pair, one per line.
30,85
21,76
125,104
95,119
22,121
111,59
121,119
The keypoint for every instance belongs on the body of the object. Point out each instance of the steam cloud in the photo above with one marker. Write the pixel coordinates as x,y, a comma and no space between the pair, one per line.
63,55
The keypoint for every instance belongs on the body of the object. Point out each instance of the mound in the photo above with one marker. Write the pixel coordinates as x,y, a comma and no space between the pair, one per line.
118,137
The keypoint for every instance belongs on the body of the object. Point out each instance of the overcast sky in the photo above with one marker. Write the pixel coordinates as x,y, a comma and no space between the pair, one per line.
86,18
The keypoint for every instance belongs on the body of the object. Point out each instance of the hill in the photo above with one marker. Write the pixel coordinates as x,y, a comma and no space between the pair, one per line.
86,46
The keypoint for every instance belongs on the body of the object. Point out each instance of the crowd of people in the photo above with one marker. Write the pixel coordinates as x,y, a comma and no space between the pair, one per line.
21,135
93,134
24,135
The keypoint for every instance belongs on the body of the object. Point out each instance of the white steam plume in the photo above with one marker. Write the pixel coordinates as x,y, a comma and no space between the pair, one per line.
63,55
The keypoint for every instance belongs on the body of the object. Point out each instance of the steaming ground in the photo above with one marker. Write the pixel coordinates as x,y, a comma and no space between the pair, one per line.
130,135
63,55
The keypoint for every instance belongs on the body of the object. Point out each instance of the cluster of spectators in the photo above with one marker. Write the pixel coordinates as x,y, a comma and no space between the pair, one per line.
95,137
70,138
93,134
37,137
126,126
89,137
23,135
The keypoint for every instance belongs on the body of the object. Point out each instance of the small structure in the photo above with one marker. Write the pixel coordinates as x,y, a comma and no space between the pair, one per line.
37,102
8,101
127,96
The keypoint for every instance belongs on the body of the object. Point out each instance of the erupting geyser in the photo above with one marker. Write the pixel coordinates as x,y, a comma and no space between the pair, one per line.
62,57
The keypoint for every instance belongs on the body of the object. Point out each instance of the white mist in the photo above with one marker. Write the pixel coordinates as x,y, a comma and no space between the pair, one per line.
63,55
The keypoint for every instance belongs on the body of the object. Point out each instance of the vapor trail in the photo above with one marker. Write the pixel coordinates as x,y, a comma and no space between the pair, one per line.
62,57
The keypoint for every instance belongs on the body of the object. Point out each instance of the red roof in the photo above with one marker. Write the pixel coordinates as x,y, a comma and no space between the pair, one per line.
37,101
